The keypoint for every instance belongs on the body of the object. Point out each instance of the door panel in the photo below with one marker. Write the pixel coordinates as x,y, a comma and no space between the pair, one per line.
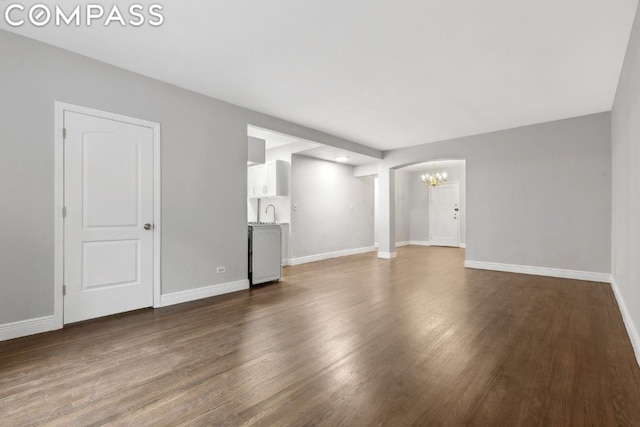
110,159
444,227
108,184
110,263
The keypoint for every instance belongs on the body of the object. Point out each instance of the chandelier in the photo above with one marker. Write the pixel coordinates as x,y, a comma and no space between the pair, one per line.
433,179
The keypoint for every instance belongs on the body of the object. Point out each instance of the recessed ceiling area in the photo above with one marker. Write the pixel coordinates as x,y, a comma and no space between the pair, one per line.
428,166
333,154
275,139
279,141
384,74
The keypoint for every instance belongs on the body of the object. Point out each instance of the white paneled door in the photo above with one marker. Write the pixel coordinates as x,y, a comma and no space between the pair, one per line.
108,227
444,215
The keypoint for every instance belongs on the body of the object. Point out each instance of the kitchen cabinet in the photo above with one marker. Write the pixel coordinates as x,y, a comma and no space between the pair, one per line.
265,246
268,180
255,175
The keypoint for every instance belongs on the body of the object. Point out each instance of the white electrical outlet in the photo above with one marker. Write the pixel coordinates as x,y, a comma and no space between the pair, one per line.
295,206
221,269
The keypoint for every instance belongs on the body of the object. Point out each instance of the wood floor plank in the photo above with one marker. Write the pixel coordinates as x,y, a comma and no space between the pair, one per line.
418,340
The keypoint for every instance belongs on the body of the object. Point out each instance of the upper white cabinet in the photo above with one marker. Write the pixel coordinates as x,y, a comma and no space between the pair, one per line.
268,180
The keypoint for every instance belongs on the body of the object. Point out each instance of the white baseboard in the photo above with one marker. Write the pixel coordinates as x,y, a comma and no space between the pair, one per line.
200,293
329,255
428,243
45,324
628,321
400,244
23,328
540,271
387,255
286,262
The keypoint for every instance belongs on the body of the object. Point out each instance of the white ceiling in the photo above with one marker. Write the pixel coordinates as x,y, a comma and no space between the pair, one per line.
383,73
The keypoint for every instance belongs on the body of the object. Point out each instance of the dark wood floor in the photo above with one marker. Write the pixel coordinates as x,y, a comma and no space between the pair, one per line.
354,341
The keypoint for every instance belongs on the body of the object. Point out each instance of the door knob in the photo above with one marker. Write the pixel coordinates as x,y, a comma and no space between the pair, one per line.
148,226
456,209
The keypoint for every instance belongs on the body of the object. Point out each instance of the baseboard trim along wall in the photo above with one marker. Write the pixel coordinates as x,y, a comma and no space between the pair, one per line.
23,328
628,321
426,243
420,243
329,255
39,325
200,293
540,271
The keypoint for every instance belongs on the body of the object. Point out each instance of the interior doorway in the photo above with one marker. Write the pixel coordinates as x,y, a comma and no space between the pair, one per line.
426,215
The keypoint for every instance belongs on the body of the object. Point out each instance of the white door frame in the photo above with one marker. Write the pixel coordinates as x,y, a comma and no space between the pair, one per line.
60,108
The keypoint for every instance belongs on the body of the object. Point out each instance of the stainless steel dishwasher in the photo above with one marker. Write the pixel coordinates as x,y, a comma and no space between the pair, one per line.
265,252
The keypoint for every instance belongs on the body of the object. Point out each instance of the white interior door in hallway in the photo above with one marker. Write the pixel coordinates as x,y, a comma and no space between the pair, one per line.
108,227
444,215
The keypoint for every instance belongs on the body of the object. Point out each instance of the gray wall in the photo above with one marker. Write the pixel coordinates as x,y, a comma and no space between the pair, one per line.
536,195
403,206
625,130
204,154
323,222
419,209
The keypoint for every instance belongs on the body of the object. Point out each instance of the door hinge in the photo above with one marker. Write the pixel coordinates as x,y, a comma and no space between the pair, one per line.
64,133
64,212
64,290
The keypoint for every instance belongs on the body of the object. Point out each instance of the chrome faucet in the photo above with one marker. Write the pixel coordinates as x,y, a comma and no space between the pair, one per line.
274,212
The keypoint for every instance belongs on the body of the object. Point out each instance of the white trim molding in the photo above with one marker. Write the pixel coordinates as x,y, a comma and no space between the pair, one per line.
329,255
205,292
387,255
58,222
420,243
423,243
540,271
23,328
628,321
